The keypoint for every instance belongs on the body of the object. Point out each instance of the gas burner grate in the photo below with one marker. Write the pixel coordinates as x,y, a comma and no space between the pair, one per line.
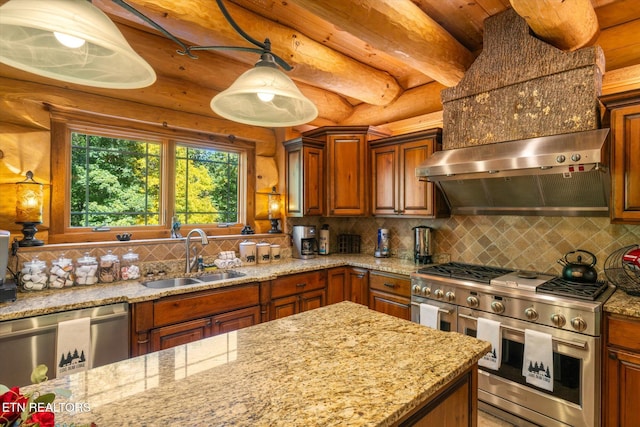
562,287
457,270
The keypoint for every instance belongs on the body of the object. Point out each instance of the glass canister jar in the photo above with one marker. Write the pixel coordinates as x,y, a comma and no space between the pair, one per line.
34,275
130,266
86,270
109,268
61,273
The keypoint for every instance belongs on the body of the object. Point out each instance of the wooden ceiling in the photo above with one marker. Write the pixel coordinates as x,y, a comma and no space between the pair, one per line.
362,62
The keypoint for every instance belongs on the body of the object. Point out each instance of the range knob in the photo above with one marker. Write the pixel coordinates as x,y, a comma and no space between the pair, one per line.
451,296
497,307
473,301
439,293
558,320
575,157
561,158
578,324
531,314
426,291
416,289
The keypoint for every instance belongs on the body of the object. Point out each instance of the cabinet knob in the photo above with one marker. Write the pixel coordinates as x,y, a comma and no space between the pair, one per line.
300,285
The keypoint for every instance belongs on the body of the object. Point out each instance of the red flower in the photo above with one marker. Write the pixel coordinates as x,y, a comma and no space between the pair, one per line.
11,405
41,419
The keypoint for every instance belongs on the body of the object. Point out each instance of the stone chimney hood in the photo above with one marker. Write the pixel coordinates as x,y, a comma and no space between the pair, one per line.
521,130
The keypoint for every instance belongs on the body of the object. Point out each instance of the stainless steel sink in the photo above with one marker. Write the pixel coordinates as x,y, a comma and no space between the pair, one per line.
219,276
182,281
170,283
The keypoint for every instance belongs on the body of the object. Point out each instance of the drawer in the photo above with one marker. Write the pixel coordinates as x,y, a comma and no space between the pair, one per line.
196,305
623,332
391,283
297,283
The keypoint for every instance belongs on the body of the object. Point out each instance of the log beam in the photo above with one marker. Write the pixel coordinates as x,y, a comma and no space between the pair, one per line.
200,22
401,29
565,24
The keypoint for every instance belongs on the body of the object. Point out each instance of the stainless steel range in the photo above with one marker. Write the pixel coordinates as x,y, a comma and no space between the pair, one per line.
570,312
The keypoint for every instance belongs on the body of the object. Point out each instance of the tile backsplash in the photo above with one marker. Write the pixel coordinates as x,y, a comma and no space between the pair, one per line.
522,242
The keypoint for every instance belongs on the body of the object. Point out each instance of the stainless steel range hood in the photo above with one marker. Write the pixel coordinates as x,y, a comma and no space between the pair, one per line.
560,175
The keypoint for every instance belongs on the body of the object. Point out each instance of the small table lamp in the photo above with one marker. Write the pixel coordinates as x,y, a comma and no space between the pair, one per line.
274,210
29,197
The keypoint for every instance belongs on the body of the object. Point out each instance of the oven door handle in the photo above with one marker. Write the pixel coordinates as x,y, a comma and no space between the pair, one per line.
582,345
440,309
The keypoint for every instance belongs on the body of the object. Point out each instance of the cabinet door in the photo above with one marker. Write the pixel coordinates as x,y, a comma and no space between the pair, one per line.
337,285
283,307
347,190
622,389
359,285
384,180
313,299
294,173
625,170
313,187
415,197
235,320
181,333
390,304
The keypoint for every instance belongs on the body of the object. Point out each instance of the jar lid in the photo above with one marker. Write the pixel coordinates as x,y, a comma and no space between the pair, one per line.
62,261
130,256
86,259
35,262
275,245
109,257
263,244
247,243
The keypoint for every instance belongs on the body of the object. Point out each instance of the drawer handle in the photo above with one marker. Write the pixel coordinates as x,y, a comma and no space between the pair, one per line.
360,276
389,285
300,285
143,341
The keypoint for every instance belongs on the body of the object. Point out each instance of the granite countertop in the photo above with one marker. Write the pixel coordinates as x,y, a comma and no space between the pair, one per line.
76,297
339,365
622,303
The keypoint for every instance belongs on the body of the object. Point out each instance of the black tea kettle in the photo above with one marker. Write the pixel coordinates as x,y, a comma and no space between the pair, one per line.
576,270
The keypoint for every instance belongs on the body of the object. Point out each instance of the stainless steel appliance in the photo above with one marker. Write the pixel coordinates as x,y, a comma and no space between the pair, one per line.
8,288
305,244
422,244
26,343
571,312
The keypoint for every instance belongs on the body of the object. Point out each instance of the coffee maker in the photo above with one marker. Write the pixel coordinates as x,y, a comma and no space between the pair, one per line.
422,244
8,288
305,244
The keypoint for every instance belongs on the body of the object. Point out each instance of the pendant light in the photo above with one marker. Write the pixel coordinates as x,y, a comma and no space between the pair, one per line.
72,41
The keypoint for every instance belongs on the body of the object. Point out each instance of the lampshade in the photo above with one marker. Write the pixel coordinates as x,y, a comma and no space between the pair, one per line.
283,104
32,33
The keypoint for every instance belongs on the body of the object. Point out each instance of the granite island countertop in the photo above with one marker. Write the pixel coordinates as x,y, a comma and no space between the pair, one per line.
339,365
55,300
622,303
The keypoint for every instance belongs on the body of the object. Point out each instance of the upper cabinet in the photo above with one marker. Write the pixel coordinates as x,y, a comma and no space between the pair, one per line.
346,171
304,169
623,117
395,189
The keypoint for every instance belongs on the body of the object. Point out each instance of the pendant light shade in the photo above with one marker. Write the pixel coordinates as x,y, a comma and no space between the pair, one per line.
264,96
35,36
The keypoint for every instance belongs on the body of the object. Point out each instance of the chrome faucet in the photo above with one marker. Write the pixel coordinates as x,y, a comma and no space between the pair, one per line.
191,262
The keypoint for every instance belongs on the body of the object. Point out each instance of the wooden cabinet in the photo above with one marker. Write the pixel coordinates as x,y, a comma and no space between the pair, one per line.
296,293
347,284
623,117
621,371
347,183
180,319
395,189
304,172
390,293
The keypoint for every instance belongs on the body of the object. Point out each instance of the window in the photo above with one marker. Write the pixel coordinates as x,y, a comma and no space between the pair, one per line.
118,179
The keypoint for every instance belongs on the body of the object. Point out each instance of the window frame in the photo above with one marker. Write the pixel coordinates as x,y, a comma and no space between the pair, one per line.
63,123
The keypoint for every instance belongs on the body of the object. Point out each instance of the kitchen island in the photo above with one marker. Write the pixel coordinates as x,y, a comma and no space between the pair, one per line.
340,365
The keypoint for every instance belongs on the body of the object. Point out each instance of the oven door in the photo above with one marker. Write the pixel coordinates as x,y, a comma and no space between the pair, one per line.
447,313
575,400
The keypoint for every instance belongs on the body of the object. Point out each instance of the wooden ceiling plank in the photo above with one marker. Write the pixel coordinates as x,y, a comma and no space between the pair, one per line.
400,28
565,24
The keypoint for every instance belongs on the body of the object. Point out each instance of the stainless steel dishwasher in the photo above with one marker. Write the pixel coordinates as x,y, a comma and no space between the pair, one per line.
25,343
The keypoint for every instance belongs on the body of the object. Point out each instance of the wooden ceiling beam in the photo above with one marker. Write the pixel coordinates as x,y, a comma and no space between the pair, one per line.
401,29
200,22
565,24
